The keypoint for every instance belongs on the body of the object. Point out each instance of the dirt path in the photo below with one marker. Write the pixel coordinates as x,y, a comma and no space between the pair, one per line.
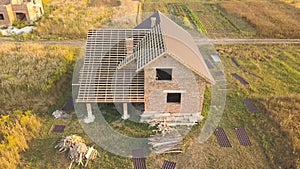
72,43
247,41
81,43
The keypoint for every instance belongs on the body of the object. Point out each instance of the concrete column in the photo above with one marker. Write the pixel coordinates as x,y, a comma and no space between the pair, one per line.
125,112
90,117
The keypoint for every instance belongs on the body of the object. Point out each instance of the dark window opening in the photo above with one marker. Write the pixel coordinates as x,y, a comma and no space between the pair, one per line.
173,97
163,74
1,17
21,16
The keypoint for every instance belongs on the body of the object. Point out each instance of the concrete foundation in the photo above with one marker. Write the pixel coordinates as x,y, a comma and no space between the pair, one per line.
125,112
90,117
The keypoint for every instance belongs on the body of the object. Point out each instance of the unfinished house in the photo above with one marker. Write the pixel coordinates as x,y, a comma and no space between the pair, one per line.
20,10
155,63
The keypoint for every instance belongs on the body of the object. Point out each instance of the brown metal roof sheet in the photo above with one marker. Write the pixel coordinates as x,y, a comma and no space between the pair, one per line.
180,44
222,137
187,57
242,136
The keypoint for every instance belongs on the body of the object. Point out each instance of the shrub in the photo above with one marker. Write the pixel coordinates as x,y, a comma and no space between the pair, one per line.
15,131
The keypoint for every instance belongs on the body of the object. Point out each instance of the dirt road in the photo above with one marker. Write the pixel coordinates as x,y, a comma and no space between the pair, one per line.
81,43
247,41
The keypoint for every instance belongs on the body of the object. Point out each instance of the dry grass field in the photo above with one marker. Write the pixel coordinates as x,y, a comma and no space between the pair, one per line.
29,72
38,77
271,19
273,131
238,19
34,80
71,19
209,18
295,3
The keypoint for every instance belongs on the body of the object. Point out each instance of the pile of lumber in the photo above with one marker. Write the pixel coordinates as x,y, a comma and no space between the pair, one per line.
169,142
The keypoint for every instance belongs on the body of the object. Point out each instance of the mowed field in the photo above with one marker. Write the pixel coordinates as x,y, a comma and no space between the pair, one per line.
271,19
237,19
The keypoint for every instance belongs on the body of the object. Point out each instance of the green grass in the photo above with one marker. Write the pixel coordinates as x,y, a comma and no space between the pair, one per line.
179,12
278,68
125,127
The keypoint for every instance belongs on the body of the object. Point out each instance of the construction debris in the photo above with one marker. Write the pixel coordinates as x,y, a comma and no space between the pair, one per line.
15,31
163,128
60,114
78,152
167,141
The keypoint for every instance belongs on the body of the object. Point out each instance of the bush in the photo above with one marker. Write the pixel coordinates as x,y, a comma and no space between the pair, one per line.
15,131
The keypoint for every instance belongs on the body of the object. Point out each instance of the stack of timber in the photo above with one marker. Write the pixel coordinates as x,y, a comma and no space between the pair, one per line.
172,119
169,142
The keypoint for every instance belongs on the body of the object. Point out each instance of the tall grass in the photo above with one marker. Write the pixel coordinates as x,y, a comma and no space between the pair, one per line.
16,130
28,73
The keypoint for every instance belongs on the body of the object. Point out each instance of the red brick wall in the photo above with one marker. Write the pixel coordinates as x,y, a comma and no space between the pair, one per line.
9,12
183,79
8,15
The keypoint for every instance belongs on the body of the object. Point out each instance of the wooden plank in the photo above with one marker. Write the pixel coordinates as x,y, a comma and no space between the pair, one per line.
242,136
250,106
168,165
222,137
168,148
